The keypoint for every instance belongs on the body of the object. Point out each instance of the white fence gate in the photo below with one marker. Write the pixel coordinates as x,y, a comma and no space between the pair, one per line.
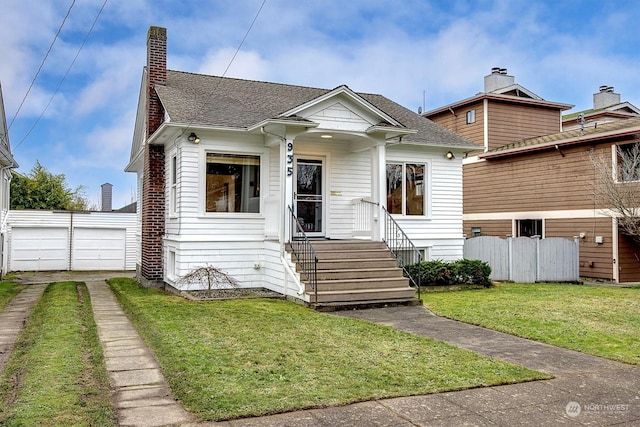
527,260
63,240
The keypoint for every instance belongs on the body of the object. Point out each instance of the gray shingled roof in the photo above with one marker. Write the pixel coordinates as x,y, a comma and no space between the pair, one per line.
227,102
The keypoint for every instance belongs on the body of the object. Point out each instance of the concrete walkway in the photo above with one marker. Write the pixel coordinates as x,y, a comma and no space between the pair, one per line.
14,317
586,391
142,396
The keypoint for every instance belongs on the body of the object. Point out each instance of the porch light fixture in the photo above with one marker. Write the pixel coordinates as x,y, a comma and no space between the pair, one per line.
450,155
194,138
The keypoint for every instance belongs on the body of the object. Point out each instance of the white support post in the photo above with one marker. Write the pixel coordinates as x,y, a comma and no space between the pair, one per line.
287,165
379,191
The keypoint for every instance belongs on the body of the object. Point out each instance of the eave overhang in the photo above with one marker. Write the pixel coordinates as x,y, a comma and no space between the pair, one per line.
390,132
500,98
287,122
554,144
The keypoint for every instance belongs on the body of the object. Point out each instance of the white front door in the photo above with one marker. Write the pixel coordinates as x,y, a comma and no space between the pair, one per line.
309,195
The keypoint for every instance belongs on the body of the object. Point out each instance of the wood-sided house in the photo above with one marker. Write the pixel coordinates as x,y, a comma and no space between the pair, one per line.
533,179
7,164
235,173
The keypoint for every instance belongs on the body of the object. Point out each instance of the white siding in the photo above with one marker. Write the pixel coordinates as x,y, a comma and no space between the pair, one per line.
77,228
339,117
441,231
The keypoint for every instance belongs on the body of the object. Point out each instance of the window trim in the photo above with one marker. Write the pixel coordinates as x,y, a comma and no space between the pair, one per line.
202,179
614,161
173,185
471,116
427,191
516,225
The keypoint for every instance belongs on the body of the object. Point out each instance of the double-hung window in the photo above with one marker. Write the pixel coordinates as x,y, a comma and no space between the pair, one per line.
406,188
232,183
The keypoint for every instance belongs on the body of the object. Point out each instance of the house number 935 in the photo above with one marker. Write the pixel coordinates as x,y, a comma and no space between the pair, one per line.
289,158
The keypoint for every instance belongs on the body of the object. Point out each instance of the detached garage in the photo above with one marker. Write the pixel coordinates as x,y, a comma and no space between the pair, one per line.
62,240
99,249
39,248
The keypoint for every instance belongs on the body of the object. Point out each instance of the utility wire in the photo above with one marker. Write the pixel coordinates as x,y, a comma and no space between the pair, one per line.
215,88
42,64
65,74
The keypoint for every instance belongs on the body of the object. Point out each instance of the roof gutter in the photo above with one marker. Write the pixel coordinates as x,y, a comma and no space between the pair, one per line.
554,144
498,97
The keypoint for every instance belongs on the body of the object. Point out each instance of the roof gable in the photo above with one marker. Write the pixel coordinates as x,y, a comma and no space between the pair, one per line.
517,91
342,105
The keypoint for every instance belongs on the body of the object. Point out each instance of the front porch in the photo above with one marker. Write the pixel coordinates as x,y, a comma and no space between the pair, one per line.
353,273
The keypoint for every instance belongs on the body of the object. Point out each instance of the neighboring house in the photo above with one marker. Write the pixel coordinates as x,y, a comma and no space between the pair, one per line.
607,108
533,180
7,163
503,113
221,161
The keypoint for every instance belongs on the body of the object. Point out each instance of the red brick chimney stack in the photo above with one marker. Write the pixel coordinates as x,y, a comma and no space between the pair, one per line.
153,207
157,74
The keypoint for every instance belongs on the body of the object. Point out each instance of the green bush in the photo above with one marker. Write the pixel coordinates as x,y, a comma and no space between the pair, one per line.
440,273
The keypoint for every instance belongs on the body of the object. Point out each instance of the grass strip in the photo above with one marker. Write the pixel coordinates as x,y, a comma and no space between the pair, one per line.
56,374
8,290
239,358
601,321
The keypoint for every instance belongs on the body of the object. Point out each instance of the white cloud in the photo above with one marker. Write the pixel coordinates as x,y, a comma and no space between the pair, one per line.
243,65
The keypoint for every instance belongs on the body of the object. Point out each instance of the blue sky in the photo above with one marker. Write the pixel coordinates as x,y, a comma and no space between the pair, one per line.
417,53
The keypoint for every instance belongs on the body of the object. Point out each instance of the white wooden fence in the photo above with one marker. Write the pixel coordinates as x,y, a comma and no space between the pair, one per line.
62,240
527,260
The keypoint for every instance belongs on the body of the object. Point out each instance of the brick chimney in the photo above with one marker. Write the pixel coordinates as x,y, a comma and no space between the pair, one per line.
153,208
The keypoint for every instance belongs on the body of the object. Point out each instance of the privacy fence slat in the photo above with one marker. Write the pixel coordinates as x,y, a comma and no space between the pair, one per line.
527,260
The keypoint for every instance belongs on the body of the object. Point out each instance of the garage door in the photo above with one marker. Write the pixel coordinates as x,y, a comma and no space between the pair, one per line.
98,249
39,249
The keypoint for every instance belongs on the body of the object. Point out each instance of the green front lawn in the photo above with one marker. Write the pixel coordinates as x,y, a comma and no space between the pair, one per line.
602,321
56,375
8,290
239,358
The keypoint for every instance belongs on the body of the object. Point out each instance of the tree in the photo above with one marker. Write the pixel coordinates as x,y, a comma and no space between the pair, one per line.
41,189
616,187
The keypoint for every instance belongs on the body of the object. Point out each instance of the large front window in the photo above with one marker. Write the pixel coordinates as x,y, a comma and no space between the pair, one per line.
406,188
233,183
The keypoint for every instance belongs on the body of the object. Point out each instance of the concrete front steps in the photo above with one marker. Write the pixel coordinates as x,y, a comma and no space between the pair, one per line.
357,273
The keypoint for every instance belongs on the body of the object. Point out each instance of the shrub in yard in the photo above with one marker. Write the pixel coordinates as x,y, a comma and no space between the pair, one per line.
474,271
440,273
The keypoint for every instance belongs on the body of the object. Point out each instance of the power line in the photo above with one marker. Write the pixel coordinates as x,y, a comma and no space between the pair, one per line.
42,63
246,34
65,75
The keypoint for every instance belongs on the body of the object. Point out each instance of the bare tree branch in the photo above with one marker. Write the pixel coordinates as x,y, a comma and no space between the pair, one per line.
209,276
616,186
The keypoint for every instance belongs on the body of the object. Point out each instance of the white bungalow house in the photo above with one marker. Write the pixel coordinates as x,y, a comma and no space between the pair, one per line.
7,164
295,189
